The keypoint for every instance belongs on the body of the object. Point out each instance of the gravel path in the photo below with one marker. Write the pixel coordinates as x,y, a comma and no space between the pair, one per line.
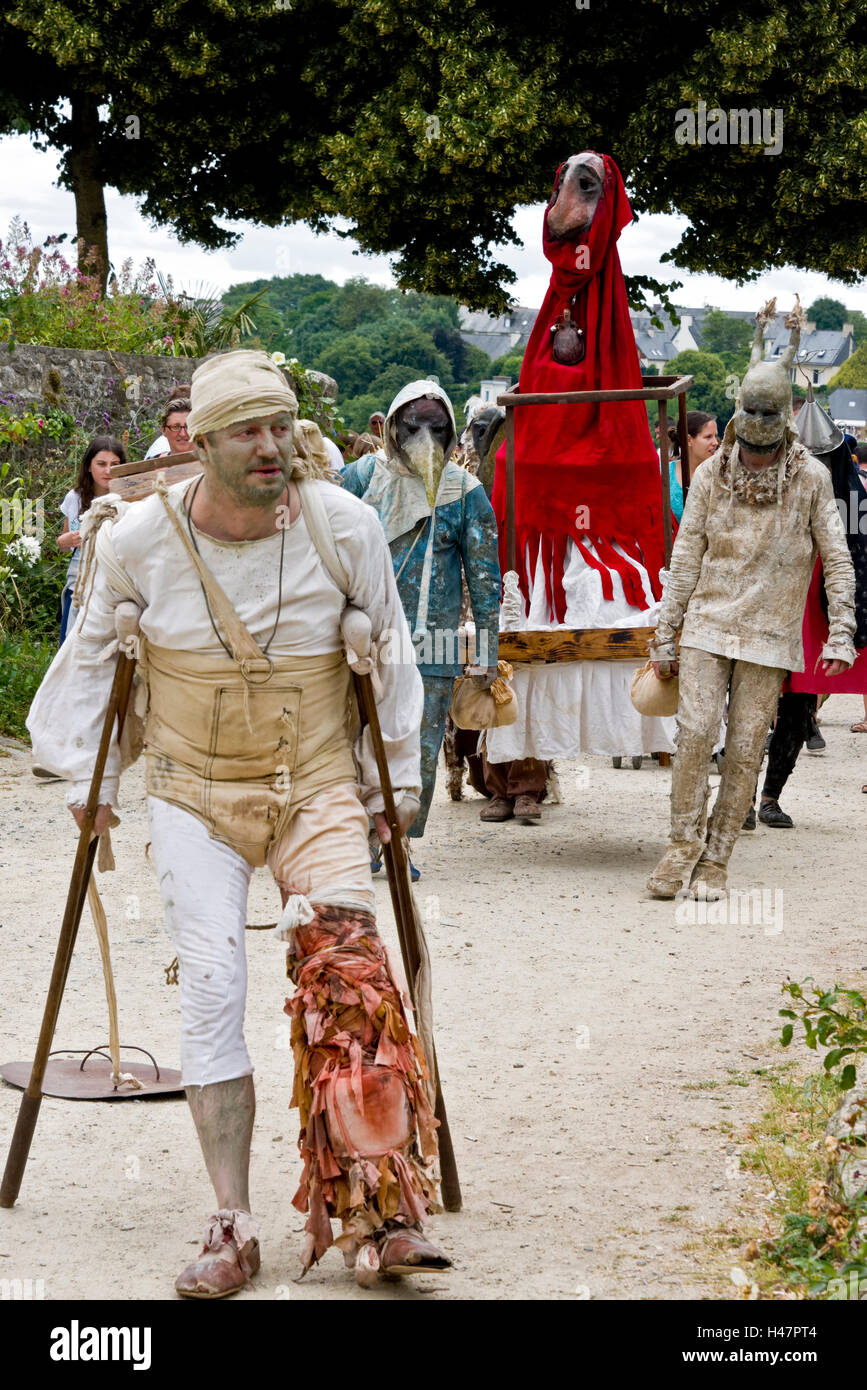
579,1025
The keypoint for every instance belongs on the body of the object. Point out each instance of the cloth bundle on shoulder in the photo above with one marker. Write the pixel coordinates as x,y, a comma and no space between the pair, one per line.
475,708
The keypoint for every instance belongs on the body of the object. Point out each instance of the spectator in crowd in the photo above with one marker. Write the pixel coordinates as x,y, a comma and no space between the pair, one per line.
328,460
93,480
703,440
174,438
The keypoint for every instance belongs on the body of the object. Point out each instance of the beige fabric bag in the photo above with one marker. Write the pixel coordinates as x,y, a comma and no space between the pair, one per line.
475,708
653,696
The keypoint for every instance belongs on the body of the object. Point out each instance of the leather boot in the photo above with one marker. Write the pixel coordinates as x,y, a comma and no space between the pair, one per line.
672,872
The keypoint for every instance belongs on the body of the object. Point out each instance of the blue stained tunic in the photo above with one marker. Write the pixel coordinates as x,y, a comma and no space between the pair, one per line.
465,533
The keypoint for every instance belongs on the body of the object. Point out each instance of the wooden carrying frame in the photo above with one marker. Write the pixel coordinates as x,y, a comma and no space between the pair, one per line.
134,481
592,643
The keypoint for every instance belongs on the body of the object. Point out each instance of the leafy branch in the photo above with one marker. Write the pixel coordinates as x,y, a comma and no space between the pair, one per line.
834,1018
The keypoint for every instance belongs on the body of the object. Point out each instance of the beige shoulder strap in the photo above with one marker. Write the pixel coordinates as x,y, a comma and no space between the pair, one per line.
320,532
244,648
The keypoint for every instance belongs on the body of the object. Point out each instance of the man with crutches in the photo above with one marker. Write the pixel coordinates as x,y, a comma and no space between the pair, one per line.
254,757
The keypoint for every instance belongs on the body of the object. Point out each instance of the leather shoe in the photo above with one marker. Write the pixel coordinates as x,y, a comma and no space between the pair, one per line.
771,813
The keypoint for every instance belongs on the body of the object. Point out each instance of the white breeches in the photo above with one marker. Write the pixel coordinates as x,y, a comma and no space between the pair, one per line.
204,885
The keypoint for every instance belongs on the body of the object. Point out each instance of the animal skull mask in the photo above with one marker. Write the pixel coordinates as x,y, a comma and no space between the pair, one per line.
576,196
764,404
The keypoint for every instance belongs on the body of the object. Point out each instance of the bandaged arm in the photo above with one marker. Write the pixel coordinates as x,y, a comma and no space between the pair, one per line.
684,569
839,573
367,560
67,715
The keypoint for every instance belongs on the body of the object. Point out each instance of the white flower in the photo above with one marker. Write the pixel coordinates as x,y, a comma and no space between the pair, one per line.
26,549
279,359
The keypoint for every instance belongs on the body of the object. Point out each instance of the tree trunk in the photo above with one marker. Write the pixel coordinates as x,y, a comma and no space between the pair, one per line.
91,224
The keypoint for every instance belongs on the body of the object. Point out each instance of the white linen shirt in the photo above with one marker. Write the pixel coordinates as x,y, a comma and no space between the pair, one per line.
65,720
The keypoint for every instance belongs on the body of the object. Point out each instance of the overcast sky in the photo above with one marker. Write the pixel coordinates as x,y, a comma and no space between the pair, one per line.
27,188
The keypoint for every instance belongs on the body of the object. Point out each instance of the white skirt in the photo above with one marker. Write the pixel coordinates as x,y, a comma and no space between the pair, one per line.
572,707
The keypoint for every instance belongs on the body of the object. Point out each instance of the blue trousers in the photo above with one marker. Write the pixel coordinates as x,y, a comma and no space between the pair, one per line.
437,698
66,607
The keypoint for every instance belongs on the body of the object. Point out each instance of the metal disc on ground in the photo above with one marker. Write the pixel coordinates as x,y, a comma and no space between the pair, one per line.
69,1079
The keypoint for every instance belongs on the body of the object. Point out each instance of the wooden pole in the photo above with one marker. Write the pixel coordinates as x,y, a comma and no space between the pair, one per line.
683,436
397,868
28,1111
666,481
511,545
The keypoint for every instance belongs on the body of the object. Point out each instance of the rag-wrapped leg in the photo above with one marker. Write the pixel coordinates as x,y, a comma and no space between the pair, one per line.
368,1133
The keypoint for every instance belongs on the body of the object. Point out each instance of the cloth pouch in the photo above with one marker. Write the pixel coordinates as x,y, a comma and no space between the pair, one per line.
651,695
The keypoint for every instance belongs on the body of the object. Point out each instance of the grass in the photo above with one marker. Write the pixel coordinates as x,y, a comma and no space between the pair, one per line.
801,1239
23,662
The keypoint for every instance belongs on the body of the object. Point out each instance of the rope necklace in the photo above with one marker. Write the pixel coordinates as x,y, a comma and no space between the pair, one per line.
218,635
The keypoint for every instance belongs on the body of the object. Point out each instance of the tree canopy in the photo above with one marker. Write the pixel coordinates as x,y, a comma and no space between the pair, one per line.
721,333
852,373
371,340
827,313
712,382
426,123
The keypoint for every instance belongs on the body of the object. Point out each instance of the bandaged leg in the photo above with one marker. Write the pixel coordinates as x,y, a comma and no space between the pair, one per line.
703,682
204,885
368,1134
754,694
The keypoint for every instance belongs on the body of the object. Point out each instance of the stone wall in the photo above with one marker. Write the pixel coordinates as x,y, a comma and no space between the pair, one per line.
92,384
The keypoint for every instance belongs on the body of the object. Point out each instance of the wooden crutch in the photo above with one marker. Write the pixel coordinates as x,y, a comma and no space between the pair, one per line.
397,869
28,1113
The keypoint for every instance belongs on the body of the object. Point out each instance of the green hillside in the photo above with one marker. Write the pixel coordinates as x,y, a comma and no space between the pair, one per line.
371,340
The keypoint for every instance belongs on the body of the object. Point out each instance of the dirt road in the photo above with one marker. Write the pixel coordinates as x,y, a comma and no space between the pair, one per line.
578,1024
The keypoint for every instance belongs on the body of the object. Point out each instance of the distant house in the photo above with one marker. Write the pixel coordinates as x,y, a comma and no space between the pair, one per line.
848,407
655,349
497,336
820,354
492,388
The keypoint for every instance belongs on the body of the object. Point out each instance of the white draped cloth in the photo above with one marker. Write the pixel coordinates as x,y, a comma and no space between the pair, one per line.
574,707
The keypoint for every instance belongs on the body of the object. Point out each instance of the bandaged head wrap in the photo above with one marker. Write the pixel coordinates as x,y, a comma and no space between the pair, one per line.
235,386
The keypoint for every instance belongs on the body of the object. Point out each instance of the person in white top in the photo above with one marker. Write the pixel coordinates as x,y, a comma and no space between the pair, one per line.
174,439
93,480
254,759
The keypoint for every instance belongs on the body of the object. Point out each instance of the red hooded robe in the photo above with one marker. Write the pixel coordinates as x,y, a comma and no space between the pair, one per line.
599,457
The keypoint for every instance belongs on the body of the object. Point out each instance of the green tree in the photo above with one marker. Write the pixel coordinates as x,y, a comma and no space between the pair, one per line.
827,314
507,365
350,359
711,382
425,124
859,325
722,333
852,373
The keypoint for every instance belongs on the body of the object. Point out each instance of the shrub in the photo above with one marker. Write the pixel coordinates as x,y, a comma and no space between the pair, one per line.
23,662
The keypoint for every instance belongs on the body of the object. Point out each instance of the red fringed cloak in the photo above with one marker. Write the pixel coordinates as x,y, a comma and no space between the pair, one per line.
599,457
